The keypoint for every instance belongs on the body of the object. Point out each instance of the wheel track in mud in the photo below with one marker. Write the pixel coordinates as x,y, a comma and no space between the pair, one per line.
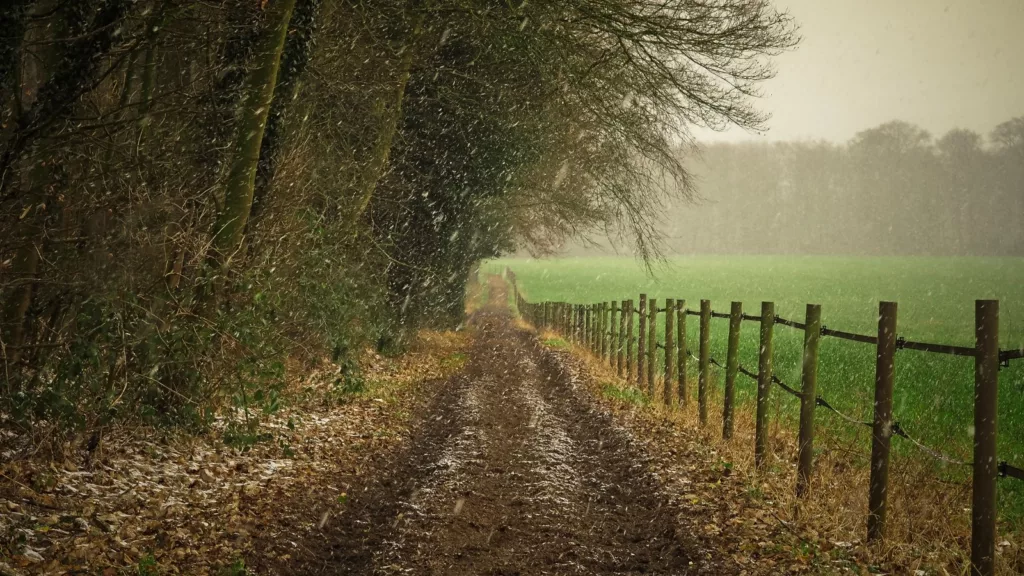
511,471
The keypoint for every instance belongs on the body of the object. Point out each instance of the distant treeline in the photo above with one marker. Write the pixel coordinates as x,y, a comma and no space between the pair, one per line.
892,189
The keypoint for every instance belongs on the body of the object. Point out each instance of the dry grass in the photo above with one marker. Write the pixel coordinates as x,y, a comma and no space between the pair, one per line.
928,527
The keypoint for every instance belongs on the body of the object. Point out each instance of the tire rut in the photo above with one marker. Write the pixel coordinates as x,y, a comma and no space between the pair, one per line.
512,471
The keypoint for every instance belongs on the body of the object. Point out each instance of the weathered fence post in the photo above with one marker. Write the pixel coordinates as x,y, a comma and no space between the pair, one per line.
681,393
604,330
652,344
586,328
641,348
610,330
764,383
579,324
620,361
616,335
885,371
808,397
703,362
590,328
670,348
986,388
732,367
587,332
629,342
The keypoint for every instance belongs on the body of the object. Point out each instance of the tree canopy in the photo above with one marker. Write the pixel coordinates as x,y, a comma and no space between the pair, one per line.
193,191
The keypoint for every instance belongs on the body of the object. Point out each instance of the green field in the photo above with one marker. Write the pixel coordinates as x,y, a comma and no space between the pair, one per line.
933,398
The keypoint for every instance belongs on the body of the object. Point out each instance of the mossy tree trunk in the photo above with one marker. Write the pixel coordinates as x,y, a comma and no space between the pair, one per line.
298,50
257,94
390,115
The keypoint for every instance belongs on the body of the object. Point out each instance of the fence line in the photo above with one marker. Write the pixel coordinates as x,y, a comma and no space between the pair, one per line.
590,326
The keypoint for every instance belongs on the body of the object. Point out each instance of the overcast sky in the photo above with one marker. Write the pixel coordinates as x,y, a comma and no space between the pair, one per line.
940,64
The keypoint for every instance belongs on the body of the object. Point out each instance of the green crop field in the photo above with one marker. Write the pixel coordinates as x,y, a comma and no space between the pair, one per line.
933,397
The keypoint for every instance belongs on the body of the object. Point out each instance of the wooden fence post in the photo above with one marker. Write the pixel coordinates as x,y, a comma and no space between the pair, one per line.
641,339
986,387
586,326
652,344
613,335
620,361
670,348
587,333
604,330
732,367
609,333
629,341
588,329
681,393
808,397
580,324
764,383
602,336
885,371
703,362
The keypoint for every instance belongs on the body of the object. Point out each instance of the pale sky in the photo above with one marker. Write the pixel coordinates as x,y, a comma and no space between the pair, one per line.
940,64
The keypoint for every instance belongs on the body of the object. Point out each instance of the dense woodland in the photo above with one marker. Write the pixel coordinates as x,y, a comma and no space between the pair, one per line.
891,190
196,193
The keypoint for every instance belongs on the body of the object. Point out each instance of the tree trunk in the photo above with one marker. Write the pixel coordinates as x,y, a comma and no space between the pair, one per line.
149,67
258,91
298,49
390,116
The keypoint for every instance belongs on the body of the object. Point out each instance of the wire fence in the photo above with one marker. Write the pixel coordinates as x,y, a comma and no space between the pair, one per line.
604,329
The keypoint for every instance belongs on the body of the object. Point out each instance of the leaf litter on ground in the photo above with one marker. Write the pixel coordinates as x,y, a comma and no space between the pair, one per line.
152,502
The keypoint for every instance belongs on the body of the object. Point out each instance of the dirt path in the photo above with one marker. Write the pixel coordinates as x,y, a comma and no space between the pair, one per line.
512,471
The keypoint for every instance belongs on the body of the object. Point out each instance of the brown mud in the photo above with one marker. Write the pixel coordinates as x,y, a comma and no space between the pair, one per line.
512,470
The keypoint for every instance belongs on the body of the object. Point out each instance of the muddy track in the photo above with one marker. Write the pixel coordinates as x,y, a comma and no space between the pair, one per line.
511,471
